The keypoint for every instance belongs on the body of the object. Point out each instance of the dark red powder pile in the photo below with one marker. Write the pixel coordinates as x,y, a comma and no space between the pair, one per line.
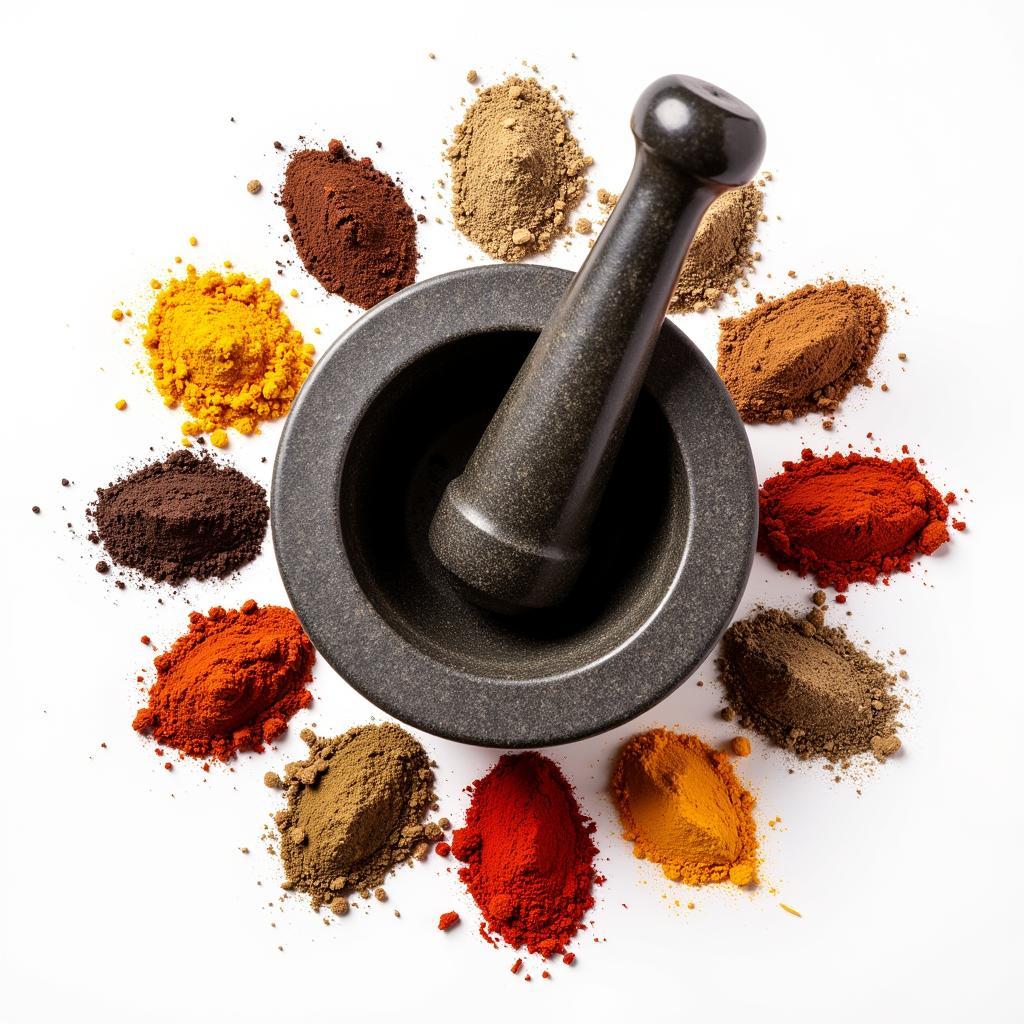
528,854
351,225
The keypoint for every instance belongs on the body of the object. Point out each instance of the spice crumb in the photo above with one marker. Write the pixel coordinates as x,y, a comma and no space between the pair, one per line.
790,910
447,920
254,186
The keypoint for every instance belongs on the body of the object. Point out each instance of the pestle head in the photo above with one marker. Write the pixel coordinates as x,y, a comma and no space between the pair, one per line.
702,129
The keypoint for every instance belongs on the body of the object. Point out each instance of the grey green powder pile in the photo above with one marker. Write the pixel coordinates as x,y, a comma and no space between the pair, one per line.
808,687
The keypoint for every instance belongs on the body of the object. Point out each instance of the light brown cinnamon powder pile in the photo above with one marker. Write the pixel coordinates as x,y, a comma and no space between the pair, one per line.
800,353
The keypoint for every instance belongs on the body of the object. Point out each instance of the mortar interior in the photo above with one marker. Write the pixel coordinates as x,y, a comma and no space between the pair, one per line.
416,436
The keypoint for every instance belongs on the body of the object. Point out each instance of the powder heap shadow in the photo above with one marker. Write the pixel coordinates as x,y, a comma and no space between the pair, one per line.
355,811
528,854
222,347
230,683
849,518
185,517
805,686
517,171
682,807
721,251
352,228
802,353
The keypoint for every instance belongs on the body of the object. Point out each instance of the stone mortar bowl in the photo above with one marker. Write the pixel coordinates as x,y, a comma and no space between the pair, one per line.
514,506
390,415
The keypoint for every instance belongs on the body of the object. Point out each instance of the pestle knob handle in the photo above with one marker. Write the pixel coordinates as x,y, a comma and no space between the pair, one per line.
513,528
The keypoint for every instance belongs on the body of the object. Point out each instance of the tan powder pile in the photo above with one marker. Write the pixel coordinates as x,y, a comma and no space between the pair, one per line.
806,686
721,251
801,353
517,171
355,811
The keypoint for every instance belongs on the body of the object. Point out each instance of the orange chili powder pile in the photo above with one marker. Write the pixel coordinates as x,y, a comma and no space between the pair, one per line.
230,683
850,518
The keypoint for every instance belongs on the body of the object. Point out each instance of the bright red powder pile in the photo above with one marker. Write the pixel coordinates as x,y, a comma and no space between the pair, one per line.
849,518
528,854
230,683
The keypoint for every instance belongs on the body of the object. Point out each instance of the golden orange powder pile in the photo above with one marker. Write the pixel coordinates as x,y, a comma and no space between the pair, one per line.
682,807
222,347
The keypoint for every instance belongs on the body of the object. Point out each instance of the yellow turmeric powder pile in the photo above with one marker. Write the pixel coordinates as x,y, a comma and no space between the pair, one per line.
222,347
682,807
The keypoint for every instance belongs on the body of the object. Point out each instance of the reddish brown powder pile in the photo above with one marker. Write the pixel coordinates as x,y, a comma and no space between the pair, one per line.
230,683
800,353
351,225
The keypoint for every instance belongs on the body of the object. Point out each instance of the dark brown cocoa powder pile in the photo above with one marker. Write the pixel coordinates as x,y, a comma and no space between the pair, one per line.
351,225
185,517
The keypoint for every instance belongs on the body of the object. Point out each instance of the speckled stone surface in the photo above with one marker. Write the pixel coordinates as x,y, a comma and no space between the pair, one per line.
387,419
515,526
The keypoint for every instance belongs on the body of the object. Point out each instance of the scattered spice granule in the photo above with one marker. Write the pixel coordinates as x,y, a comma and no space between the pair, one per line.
901,356
471,76
145,640
193,240
516,966
168,766
740,746
545,974
117,315
568,958
120,405
444,823
959,525
584,226
102,567
442,849
254,186
447,920
218,438
790,910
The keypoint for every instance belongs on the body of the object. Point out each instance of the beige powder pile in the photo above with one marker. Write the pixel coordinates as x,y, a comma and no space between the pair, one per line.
721,251
517,171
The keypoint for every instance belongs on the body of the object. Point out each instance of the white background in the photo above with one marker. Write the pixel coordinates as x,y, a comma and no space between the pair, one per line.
894,137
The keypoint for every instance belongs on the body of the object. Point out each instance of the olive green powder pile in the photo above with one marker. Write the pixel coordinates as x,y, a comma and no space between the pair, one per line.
355,811
517,171
806,686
